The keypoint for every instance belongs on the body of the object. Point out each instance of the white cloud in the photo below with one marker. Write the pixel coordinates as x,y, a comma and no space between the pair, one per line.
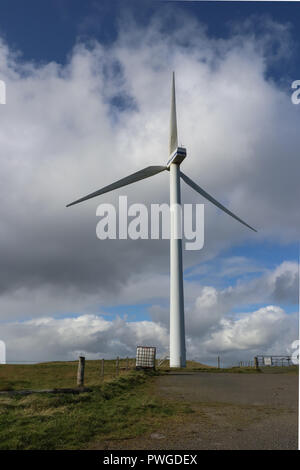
267,330
252,331
64,339
61,137
211,326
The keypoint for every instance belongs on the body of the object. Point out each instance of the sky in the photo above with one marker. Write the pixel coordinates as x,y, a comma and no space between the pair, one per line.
88,98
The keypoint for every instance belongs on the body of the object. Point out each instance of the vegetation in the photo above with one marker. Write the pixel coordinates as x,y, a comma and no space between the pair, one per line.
117,407
63,374
195,366
123,407
57,374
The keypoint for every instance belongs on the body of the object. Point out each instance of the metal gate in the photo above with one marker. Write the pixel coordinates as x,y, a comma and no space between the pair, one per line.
274,361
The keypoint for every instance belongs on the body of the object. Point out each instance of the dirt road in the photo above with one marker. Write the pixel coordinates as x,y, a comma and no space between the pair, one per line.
228,411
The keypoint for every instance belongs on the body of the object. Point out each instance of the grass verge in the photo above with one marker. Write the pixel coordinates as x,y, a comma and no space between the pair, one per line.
239,370
122,408
57,374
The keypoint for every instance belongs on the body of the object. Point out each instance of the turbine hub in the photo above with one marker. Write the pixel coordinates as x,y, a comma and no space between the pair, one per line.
177,156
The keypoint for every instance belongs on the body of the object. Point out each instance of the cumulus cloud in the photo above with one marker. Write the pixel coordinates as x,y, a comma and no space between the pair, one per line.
214,327
208,304
285,282
45,339
267,330
251,331
211,325
69,129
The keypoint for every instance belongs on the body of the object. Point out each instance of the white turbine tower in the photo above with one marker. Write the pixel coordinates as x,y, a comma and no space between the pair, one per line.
176,156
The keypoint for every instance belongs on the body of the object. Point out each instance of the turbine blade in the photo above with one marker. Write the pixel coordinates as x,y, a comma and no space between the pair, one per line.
173,142
139,175
211,199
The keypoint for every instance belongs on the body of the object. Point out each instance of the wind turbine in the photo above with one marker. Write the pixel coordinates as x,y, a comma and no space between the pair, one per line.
176,156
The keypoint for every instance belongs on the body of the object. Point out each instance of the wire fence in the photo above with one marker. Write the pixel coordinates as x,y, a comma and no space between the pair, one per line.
261,361
275,361
89,373
59,374
246,364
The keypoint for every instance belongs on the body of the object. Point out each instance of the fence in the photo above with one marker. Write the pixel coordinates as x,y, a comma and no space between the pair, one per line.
55,375
274,361
268,361
246,363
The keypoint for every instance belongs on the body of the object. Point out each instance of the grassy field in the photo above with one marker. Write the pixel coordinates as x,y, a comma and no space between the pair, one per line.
63,374
122,408
116,407
57,374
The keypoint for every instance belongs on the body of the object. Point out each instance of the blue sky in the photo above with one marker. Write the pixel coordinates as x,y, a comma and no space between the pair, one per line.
48,31
57,39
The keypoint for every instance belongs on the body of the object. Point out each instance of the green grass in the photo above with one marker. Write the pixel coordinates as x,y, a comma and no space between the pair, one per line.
214,370
49,375
294,369
122,408
116,408
193,366
231,370
56,374
63,374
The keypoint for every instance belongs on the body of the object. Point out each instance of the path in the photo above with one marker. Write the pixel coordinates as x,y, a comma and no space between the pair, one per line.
230,411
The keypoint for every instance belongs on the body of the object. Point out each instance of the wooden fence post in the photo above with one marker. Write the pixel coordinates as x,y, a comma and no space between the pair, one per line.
256,362
127,363
102,368
117,366
80,371
218,362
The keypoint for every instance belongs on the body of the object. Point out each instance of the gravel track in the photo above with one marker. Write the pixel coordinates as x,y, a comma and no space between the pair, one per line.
228,411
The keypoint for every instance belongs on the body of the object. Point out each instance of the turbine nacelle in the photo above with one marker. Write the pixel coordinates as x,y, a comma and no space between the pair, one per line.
177,156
